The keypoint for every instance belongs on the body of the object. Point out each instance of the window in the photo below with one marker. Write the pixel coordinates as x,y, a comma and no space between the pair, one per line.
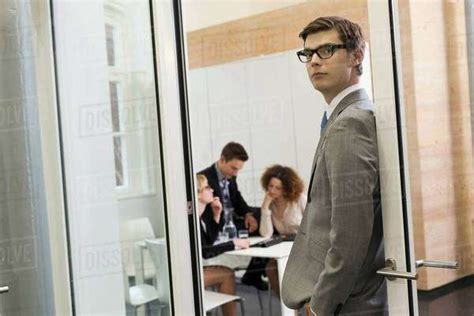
132,101
118,139
110,43
117,135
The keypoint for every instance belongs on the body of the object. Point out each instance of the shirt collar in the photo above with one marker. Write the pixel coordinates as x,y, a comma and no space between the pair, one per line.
220,175
338,98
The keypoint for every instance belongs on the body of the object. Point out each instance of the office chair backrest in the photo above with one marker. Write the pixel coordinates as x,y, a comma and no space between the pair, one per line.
131,232
158,253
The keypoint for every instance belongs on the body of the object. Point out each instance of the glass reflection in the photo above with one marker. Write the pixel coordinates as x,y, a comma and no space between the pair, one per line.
111,150
134,133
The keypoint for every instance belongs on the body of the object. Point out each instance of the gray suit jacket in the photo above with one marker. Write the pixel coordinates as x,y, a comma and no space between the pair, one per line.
339,246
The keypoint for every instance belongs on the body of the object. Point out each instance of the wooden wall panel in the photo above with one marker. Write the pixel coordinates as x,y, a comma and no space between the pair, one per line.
267,33
436,97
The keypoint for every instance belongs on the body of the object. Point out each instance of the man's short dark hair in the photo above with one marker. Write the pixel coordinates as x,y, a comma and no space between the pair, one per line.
350,33
234,151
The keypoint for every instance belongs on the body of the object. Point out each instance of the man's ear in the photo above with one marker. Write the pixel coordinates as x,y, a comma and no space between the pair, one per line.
358,56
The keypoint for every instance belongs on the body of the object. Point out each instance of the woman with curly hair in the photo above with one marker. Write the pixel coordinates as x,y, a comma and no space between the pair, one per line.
282,209
284,201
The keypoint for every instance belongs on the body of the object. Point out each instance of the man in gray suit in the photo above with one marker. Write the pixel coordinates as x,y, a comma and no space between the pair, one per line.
339,246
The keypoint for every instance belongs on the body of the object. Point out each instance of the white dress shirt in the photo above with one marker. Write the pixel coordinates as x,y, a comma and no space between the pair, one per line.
338,98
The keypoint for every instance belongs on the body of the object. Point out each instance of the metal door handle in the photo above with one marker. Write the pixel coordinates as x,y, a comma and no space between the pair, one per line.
436,264
390,271
4,289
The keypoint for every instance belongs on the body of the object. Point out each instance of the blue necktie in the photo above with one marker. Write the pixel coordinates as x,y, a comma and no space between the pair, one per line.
324,121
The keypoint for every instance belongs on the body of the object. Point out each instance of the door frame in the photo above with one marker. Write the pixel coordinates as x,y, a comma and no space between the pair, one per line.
176,150
392,143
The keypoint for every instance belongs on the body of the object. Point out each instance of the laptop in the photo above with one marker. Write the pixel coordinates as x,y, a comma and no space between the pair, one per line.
288,237
268,242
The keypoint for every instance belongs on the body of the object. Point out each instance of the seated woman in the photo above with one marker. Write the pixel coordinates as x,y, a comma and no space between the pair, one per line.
282,209
220,276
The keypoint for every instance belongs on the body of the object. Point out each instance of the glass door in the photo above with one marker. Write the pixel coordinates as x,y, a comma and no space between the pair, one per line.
246,85
123,157
34,276
91,159
425,142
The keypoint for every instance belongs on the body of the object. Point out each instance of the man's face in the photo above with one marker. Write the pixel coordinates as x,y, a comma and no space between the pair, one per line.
332,75
230,168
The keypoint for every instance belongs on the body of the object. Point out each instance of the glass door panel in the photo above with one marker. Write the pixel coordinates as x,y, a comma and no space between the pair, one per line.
110,134
33,260
246,85
438,101
429,118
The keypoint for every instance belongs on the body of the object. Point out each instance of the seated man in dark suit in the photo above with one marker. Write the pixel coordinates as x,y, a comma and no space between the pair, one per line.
222,178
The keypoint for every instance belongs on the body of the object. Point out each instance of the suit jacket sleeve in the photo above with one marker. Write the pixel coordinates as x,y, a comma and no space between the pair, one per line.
351,162
213,227
210,251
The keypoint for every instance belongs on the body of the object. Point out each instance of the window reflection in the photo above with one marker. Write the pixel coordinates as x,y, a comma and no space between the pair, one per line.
110,43
134,126
111,148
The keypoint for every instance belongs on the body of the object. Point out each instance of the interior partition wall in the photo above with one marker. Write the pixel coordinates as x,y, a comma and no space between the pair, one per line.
33,272
92,160
123,156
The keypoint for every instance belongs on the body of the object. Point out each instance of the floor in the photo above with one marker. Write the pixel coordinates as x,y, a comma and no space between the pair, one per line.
252,306
456,299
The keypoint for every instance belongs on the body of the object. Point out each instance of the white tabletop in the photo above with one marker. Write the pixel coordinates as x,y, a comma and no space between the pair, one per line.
215,299
280,250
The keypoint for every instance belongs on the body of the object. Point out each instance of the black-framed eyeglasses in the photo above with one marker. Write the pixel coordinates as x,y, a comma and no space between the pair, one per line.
324,52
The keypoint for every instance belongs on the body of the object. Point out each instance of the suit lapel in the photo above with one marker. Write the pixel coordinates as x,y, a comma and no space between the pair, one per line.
349,99
215,180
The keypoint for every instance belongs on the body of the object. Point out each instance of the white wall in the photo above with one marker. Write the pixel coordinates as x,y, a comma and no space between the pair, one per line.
146,206
268,105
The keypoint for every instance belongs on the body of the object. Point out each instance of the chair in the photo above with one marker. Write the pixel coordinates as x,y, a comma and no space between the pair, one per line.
137,263
159,257
139,295
132,232
213,300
